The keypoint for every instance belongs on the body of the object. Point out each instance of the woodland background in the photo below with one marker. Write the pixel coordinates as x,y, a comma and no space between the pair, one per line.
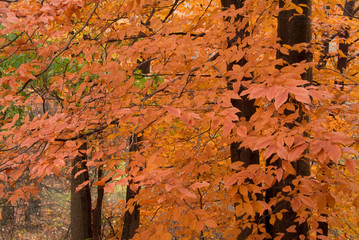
179,119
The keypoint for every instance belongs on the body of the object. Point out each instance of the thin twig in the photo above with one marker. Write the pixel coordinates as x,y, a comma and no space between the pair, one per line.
353,81
60,52
9,43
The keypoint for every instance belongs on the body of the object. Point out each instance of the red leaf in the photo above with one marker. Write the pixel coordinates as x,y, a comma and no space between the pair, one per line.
350,165
11,17
71,144
291,229
80,172
337,137
227,127
185,193
174,111
307,201
199,185
242,131
82,185
97,155
279,174
280,98
296,152
109,187
334,152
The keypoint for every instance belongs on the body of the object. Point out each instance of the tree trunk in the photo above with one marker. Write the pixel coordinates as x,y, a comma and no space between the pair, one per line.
7,214
97,212
7,210
34,209
342,65
132,219
81,228
246,109
292,29
344,35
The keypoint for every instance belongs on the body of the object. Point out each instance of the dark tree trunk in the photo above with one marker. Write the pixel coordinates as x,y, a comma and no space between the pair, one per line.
34,209
80,200
97,212
342,64
292,29
246,109
344,35
132,219
7,210
7,214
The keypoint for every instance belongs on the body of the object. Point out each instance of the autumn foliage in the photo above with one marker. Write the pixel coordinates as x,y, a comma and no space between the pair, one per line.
72,75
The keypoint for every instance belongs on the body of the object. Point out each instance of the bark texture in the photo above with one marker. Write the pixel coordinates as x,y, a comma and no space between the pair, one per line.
246,109
342,64
132,218
81,227
344,35
292,29
97,212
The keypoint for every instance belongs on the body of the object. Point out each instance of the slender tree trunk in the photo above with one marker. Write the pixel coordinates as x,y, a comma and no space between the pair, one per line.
80,200
292,29
7,210
97,212
34,209
246,109
342,65
344,35
7,214
132,219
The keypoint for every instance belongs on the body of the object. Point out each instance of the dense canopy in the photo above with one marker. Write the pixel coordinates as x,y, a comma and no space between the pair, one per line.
232,119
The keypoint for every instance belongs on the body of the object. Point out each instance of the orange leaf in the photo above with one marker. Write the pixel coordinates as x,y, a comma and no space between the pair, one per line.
82,185
199,185
97,155
280,98
174,111
109,187
291,229
334,152
242,131
71,144
80,172
279,174
210,223
350,165
307,201
185,193
227,127
296,152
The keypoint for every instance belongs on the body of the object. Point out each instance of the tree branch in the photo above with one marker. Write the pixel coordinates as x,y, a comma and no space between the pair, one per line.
62,50
81,135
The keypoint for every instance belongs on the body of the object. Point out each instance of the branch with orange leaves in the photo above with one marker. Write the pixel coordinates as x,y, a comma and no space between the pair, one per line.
60,52
341,74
